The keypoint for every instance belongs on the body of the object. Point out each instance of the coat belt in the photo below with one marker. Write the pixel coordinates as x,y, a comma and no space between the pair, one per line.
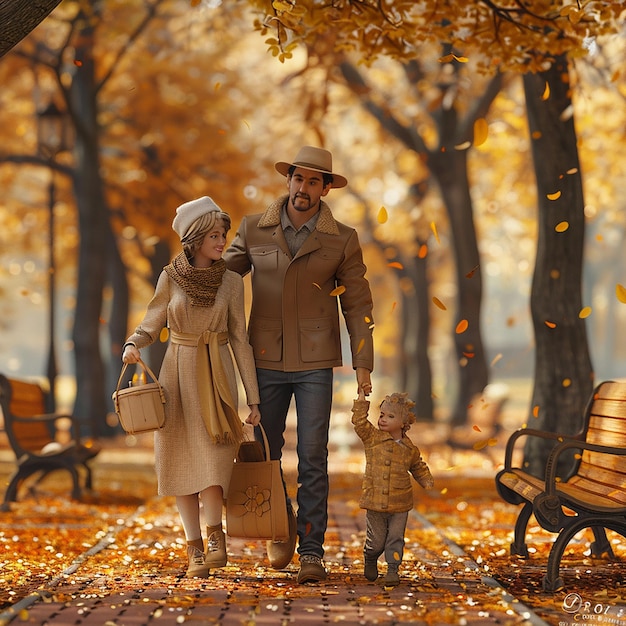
219,412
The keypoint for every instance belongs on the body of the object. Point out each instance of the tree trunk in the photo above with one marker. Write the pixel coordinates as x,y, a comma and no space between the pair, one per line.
418,378
450,170
158,260
90,405
449,167
118,322
563,372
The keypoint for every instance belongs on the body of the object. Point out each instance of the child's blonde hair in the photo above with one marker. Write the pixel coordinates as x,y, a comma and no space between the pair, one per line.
406,404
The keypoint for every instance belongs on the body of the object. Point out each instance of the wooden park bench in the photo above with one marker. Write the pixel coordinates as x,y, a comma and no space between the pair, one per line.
594,496
33,436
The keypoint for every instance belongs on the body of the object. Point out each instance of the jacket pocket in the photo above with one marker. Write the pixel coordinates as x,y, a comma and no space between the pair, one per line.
266,338
319,341
264,258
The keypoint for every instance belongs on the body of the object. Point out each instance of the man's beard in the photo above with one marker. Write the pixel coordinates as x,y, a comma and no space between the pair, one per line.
302,209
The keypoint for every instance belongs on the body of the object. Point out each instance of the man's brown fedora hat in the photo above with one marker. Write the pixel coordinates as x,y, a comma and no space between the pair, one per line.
316,159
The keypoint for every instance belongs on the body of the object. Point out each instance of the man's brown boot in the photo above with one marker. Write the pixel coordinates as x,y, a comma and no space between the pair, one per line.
195,553
280,553
215,553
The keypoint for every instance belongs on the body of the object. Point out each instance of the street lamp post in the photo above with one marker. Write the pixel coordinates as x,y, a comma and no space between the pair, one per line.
52,139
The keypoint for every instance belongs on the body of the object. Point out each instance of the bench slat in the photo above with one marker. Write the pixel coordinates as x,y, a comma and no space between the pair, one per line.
594,462
594,493
612,390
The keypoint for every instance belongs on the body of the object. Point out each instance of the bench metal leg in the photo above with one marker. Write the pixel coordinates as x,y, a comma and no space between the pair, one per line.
10,494
601,546
22,474
518,547
552,581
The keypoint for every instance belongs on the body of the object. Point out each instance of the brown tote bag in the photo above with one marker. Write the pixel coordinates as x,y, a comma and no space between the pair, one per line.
256,506
140,408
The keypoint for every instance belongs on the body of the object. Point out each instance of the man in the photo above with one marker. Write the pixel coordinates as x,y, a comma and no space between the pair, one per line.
302,260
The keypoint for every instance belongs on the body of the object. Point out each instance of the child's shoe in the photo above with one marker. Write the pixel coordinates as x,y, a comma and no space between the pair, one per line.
371,569
391,578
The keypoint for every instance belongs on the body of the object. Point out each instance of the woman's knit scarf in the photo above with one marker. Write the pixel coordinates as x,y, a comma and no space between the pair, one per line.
199,283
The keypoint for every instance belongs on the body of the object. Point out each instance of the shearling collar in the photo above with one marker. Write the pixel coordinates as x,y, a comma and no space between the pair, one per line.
325,224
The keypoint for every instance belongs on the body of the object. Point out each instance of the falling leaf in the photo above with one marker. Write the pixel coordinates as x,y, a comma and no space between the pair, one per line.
472,271
395,265
217,86
468,355
446,58
572,170
561,227
433,227
567,113
477,429
550,324
463,146
422,252
438,303
496,359
164,335
361,344
546,92
78,63
367,319
481,131
620,292
382,215
536,410
338,291
461,327
554,196
393,306
585,312
567,382
536,134
316,285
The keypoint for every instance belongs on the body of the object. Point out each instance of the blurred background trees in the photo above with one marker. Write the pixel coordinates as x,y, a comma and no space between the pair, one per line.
453,195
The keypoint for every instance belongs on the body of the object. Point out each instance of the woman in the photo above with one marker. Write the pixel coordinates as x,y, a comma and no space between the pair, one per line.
202,304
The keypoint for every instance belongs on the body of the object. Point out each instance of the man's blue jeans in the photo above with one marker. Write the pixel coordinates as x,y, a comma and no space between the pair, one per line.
312,391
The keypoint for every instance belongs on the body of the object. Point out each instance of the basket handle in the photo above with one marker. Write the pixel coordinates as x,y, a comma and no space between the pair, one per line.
266,444
146,369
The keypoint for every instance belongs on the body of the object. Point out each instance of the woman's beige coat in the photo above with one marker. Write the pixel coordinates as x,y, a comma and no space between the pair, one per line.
386,483
294,320
186,459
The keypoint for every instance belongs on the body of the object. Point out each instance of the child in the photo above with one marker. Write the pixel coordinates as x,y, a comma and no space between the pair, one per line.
201,302
387,492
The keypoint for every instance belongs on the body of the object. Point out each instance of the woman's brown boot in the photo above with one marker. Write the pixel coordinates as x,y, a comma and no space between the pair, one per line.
215,553
195,553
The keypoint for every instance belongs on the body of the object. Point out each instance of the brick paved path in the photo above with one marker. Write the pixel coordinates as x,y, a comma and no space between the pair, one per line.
120,581
132,576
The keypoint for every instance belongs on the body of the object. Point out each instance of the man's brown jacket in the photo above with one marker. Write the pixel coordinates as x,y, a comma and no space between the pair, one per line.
294,318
